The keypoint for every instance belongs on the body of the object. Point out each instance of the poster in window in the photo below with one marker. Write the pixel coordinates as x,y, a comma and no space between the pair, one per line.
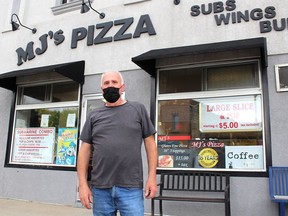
244,157
174,152
71,120
208,153
187,153
230,114
66,146
34,145
44,120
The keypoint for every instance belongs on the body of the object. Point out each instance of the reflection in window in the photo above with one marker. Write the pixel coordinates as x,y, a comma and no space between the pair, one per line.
33,95
65,92
180,80
205,78
232,77
55,92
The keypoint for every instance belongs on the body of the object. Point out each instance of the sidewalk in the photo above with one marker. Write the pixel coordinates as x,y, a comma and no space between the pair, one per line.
11,207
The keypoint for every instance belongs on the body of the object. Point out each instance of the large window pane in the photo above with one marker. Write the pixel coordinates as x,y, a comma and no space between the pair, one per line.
209,78
65,92
180,80
220,129
47,93
232,77
33,94
218,133
46,136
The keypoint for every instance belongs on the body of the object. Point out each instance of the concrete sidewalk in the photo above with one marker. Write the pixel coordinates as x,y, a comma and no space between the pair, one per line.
11,207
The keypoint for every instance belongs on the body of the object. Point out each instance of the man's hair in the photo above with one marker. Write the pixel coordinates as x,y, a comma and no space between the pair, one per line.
121,77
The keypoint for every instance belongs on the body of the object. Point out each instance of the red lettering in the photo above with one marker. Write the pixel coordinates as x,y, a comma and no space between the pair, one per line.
218,107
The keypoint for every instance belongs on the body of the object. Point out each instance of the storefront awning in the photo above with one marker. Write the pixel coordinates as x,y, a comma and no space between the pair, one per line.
72,70
147,61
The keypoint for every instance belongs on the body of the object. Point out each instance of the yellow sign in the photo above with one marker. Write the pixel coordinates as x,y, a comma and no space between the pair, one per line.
208,158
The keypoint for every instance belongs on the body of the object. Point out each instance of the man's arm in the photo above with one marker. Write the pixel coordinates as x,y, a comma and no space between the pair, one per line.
151,151
82,171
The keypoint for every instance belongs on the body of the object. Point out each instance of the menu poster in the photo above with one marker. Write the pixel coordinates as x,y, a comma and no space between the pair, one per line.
174,151
230,114
180,158
66,147
191,153
33,145
244,157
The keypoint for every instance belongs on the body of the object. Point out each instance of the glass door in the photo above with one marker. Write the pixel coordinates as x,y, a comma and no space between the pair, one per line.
89,103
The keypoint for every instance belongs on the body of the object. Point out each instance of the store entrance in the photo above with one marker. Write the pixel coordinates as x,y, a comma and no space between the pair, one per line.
89,103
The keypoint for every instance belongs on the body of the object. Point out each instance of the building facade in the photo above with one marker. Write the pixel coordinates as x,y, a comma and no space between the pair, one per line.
213,76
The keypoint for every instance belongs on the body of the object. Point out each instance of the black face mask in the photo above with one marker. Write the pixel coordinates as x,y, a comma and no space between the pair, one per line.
111,94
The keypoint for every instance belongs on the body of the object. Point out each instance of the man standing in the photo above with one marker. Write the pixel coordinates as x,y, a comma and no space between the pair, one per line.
116,132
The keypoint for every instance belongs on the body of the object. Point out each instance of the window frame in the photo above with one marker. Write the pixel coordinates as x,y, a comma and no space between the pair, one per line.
213,94
277,78
66,104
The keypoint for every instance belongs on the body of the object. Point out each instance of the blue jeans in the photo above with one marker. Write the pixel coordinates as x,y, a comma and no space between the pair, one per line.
128,201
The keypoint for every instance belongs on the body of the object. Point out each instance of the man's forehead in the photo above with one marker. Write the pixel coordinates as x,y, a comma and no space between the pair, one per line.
111,76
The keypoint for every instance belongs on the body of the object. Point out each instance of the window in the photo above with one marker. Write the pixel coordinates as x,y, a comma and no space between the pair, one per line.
281,73
45,129
211,117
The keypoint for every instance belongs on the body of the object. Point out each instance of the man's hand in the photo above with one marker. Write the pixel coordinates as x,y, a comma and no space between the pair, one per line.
152,156
82,170
150,189
85,195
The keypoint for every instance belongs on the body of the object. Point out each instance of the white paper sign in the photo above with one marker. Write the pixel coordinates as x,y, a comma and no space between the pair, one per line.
44,120
34,145
230,114
244,157
71,119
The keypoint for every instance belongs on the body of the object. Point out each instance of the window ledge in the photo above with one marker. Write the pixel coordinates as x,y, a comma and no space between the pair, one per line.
71,6
128,2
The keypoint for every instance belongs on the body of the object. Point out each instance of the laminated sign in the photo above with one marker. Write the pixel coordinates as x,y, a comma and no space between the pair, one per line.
233,114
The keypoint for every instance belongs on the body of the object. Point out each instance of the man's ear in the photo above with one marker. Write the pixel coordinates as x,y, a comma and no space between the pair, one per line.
122,89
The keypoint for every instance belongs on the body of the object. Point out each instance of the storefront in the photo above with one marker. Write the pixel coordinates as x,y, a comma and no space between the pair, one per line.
212,75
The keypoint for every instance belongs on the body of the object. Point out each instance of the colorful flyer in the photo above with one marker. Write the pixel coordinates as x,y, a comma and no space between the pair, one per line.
66,147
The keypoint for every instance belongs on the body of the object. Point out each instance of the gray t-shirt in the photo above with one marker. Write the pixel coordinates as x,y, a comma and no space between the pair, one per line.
116,134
